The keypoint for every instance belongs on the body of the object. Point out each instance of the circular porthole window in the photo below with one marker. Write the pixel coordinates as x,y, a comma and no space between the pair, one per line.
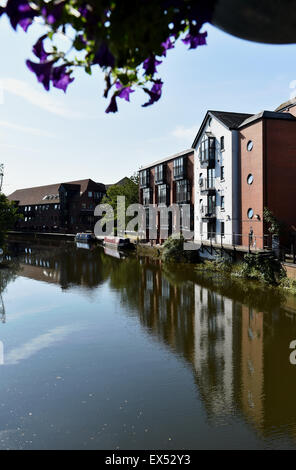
250,214
250,145
250,178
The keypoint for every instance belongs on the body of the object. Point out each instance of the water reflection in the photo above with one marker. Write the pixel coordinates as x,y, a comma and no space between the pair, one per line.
235,337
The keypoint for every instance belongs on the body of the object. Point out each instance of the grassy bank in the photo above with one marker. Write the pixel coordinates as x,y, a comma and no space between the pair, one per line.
264,269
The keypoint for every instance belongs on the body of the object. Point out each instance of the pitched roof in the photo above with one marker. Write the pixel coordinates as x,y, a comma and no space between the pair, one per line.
166,159
268,115
287,104
36,195
227,118
230,120
121,182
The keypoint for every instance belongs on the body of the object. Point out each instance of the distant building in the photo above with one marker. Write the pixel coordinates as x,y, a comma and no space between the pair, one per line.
166,182
62,207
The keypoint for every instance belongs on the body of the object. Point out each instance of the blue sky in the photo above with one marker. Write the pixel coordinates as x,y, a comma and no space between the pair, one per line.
50,137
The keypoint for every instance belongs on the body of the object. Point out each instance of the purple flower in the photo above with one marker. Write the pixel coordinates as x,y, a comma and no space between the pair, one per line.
150,65
38,49
42,71
154,93
19,12
25,23
53,13
112,108
104,57
83,11
166,46
124,91
195,40
61,77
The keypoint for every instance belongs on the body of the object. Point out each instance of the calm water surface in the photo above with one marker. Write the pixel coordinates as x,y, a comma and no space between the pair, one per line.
107,353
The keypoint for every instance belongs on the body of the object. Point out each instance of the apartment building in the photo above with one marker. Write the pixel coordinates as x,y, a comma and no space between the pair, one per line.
217,177
65,207
267,144
164,183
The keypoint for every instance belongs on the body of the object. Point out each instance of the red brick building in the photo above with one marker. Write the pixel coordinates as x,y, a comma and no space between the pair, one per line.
268,172
166,182
63,207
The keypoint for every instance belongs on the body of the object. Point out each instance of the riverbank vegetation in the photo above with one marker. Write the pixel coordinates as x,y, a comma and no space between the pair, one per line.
8,217
265,269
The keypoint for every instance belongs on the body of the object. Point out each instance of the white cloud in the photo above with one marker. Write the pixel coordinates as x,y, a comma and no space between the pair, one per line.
187,133
38,98
37,344
28,130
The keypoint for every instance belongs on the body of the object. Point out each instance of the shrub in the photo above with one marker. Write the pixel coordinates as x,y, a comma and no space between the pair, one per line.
262,268
173,250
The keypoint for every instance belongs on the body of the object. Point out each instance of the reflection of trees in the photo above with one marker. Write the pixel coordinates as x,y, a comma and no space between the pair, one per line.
63,264
8,273
234,335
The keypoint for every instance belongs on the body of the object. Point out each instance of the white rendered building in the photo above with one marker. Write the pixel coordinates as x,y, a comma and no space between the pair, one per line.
216,178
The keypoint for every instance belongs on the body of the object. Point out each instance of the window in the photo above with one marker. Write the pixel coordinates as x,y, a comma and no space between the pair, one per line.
222,175
146,196
179,168
222,229
207,149
222,203
210,178
90,194
211,205
250,146
159,173
26,209
83,205
182,191
250,213
222,143
250,178
144,178
162,194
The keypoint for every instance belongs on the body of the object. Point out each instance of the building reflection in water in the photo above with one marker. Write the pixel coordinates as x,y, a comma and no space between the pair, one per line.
234,337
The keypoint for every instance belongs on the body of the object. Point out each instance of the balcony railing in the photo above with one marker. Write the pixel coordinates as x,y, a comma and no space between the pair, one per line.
208,212
207,153
207,185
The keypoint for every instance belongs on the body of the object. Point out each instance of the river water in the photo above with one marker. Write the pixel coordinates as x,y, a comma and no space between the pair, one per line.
101,352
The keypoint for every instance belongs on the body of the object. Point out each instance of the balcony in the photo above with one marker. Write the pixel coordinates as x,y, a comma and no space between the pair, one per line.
207,152
207,186
208,212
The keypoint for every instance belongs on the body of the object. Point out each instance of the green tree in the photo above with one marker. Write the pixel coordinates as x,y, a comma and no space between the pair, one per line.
129,189
8,217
